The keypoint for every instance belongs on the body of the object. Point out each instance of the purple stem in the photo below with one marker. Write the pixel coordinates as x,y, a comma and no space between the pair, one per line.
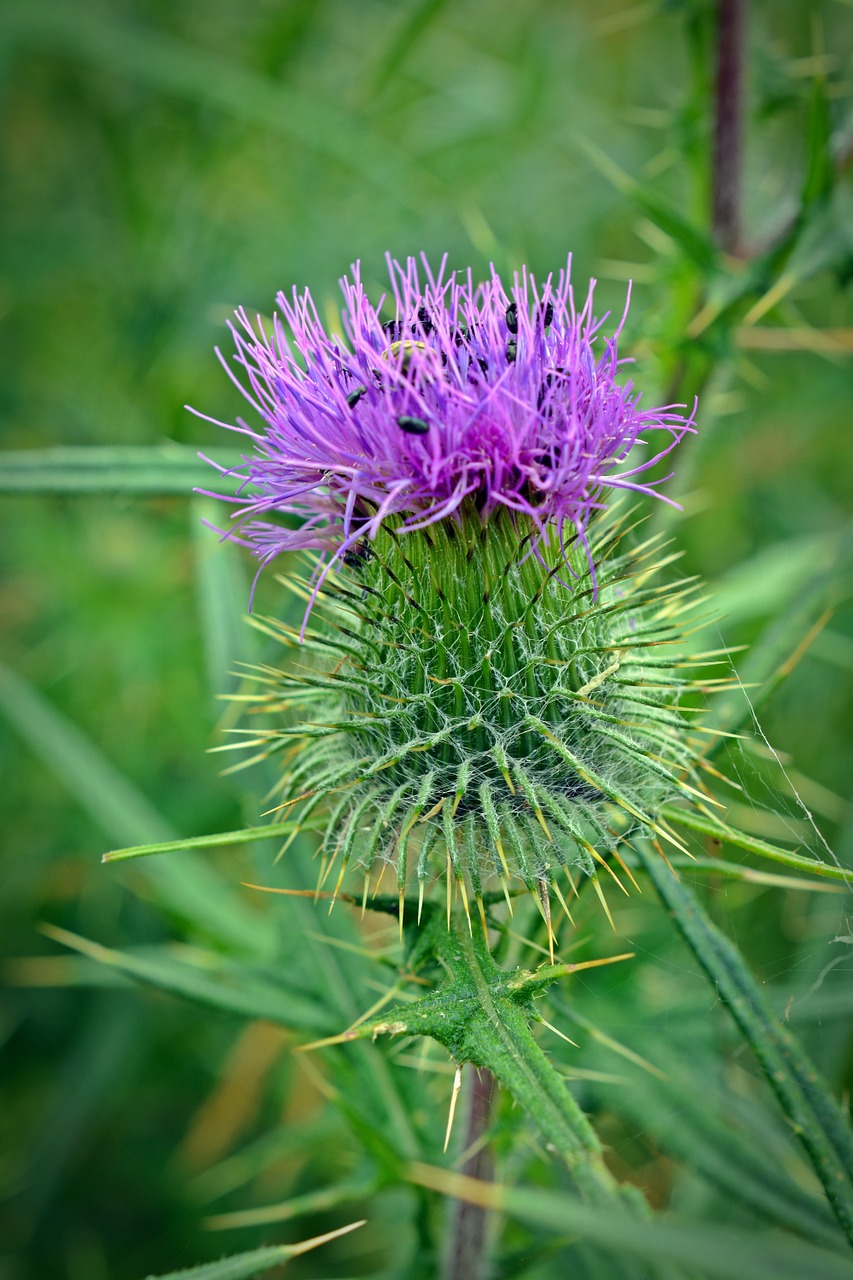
467,1255
728,124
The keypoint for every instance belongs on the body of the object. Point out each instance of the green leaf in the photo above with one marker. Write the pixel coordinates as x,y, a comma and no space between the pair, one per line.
482,1014
372,1102
377,1105
240,1266
835,648
299,1137
707,826
149,470
188,887
815,1115
60,971
221,839
751,875
824,242
207,979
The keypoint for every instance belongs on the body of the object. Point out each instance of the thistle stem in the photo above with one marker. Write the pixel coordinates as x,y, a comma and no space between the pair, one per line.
516,1060
467,1253
728,124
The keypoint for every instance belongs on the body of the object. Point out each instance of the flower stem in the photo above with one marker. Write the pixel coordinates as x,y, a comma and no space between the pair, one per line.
728,125
467,1253
512,1054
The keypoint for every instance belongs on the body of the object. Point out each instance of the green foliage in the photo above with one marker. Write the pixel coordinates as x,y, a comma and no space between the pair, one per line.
820,1123
721,1254
481,1014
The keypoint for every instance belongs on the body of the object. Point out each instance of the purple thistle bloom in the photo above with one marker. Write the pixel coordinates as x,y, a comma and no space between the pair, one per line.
472,398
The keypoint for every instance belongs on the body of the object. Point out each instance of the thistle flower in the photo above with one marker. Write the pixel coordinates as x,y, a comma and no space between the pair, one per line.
471,395
485,696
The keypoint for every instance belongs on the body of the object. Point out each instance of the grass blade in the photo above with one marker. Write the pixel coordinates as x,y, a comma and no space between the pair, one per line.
766,583
736,1150
691,238
404,42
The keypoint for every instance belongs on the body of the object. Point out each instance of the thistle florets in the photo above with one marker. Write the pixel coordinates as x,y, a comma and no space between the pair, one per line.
510,401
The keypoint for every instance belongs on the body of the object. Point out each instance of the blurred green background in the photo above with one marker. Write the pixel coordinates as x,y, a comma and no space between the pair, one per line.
162,163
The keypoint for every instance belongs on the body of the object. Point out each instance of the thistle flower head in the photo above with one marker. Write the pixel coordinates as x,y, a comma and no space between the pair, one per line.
456,710
485,396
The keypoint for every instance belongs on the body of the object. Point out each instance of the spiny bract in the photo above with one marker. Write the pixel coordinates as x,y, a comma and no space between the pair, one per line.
463,711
